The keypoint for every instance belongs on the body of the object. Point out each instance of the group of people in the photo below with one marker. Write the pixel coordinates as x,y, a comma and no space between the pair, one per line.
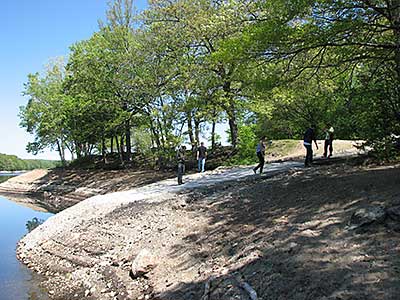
201,160
309,138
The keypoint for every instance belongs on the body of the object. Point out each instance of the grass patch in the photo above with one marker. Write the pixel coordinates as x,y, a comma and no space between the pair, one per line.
282,147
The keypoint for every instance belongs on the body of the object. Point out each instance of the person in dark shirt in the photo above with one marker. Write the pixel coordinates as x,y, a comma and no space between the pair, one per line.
201,157
260,151
180,156
309,137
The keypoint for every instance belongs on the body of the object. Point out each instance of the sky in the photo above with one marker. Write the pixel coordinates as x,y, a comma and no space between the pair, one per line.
32,33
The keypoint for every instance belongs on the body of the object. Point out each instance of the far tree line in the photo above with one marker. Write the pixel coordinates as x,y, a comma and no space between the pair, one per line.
145,83
13,163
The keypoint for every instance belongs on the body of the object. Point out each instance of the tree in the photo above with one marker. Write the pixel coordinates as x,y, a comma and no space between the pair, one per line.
44,115
195,31
103,74
358,40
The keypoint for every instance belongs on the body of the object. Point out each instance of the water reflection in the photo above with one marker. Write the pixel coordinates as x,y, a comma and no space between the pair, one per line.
16,281
5,177
32,224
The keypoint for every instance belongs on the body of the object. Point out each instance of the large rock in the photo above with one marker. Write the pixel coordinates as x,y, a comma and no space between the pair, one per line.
144,262
394,213
367,216
393,220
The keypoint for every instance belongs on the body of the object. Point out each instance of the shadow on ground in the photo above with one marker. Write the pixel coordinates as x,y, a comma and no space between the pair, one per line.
287,237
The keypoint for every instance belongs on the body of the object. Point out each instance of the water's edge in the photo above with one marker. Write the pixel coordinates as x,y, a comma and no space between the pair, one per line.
17,282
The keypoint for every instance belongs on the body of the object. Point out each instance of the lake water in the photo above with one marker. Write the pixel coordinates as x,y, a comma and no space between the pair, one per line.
17,282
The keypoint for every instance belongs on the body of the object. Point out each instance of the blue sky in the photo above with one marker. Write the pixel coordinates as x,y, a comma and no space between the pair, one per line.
32,33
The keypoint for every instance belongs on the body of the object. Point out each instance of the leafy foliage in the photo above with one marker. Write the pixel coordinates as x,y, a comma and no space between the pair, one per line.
13,163
143,84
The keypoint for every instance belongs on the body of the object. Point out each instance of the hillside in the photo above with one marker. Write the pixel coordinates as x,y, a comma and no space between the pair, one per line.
13,163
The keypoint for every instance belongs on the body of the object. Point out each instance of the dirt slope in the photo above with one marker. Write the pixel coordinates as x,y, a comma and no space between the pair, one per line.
285,235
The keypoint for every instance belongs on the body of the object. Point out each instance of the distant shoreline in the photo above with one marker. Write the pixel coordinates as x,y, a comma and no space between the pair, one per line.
12,173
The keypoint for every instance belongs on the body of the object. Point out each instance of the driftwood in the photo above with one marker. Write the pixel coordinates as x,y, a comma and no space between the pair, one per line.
247,287
207,286
237,280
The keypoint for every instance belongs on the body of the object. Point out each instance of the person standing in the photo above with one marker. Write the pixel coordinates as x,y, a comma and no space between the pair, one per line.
309,137
329,131
180,155
201,157
260,151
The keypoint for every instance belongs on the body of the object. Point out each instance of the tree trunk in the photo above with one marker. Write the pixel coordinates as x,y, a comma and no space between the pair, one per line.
128,140
197,131
156,136
231,111
122,153
397,57
72,155
61,152
395,15
213,134
234,131
190,131
103,149
112,145
78,150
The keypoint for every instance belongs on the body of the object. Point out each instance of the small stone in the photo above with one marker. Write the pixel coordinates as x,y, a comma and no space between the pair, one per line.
147,297
368,215
104,263
143,263
87,293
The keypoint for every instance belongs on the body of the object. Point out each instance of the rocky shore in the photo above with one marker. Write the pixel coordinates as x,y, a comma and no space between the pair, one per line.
104,247
226,234
58,189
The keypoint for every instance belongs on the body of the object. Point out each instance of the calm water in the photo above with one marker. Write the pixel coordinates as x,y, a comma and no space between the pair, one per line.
16,281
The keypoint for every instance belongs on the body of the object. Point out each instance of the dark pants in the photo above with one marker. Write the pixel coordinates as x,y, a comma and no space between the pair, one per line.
309,155
181,171
260,162
328,143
